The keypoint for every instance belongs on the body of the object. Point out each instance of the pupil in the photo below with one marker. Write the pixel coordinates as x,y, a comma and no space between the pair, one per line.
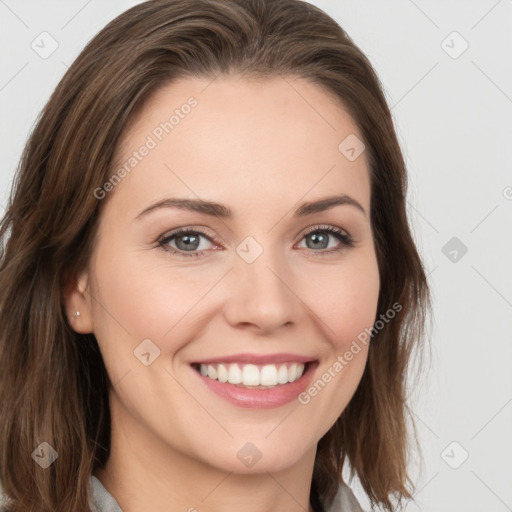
187,240
318,238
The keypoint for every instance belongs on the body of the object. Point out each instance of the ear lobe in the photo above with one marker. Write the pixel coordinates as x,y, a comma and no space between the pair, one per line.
78,305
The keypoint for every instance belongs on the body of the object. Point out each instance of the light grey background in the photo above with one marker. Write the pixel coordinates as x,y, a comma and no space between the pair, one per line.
453,114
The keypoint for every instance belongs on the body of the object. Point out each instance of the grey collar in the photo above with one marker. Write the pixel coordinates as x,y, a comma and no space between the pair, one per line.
103,501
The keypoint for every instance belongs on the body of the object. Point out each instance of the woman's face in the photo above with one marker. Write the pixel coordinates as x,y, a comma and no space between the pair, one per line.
264,282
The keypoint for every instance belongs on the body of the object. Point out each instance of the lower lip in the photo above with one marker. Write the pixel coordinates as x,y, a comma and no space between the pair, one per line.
260,398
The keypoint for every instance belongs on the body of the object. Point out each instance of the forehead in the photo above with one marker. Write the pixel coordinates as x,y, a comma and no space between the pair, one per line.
243,140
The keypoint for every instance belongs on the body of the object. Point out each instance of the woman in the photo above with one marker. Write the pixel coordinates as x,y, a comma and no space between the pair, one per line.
210,294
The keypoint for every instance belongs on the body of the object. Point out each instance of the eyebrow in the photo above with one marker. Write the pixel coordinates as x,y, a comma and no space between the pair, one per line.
222,211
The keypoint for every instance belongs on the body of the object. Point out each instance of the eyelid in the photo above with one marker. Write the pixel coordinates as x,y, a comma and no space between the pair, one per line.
188,229
346,240
209,233
324,227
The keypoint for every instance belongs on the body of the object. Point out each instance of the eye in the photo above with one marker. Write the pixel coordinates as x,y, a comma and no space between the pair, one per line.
319,239
187,241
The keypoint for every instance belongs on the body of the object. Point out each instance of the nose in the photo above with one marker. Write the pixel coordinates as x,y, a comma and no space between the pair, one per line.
262,295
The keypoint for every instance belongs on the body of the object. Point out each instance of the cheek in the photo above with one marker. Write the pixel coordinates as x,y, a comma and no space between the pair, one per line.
345,298
141,298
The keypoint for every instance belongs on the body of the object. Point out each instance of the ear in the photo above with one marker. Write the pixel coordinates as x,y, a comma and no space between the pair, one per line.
78,300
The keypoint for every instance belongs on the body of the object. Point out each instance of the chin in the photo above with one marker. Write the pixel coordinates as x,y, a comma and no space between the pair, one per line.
258,456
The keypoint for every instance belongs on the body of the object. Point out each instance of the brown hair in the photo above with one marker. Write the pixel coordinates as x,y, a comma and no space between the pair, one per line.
53,384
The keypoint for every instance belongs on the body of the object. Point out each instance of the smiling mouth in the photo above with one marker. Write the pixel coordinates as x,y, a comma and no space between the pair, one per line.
252,376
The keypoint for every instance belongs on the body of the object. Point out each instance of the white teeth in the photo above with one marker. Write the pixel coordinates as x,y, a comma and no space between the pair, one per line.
222,373
250,375
234,374
212,372
253,375
268,375
282,374
292,372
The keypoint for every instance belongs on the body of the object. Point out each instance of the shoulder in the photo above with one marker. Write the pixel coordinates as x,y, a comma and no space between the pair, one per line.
344,501
101,500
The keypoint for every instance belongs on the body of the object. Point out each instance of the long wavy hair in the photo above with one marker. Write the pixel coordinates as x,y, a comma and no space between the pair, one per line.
54,386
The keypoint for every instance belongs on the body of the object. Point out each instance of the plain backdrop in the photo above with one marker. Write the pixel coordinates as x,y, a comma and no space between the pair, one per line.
446,70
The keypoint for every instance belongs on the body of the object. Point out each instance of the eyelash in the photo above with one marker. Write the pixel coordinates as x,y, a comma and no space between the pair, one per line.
346,240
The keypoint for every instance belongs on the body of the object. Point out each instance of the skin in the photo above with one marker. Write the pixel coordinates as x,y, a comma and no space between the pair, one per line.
261,148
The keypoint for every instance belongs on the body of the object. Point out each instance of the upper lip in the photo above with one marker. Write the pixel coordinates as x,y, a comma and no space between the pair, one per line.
258,359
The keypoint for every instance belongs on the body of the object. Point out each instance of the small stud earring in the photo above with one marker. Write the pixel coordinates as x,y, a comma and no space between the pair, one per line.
77,314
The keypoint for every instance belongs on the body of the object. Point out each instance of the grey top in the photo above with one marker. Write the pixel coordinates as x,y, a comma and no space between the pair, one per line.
102,501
